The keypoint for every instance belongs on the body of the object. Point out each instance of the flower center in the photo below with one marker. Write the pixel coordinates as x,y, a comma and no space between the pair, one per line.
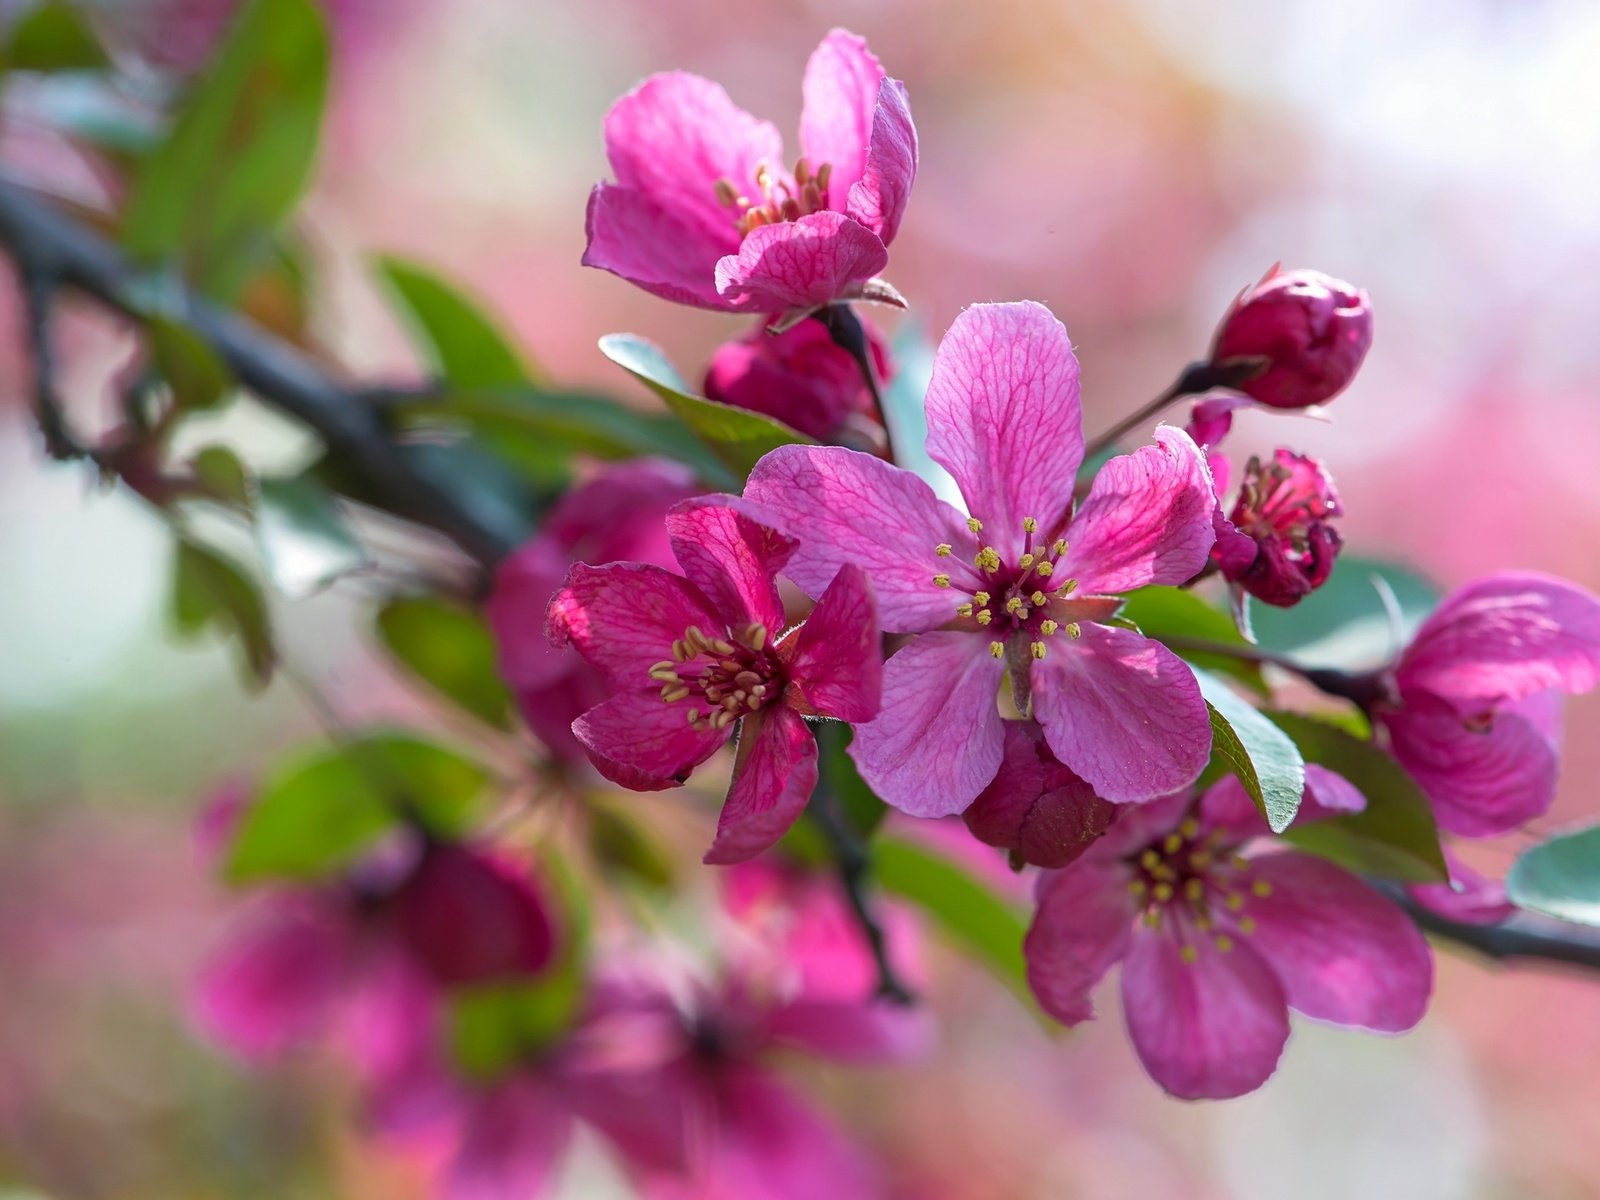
1008,598
780,198
719,679
1275,500
1184,878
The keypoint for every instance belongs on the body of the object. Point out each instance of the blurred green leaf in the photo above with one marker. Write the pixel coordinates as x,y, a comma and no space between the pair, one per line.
465,346
1395,836
53,36
240,151
209,590
1345,622
448,647
1560,877
859,803
1169,612
316,815
199,379
220,470
1255,750
624,847
738,436
304,543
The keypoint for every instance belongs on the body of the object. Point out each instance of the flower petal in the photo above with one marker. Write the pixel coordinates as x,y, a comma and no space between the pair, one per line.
847,507
1344,953
624,617
878,199
772,780
1122,711
1147,519
1209,1029
816,260
511,1141
640,741
632,236
730,558
938,741
1082,926
841,96
1470,896
838,657
1506,637
1004,418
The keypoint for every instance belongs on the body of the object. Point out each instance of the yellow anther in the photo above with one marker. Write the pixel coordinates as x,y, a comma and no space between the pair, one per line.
1163,892
1224,943
1074,630
665,664
1240,862
1188,953
755,636
1200,859
726,192
1194,889
1163,871
1037,598
1190,827
1067,588
664,673
1136,887
1060,547
694,715
1203,922
1171,842
1014,605
1152,917
1037,649
758,691
998,649
981,597
943,549
1048,627
1029,525
987,559
1025,561
1235,901
941,581
681,651
1045,568
963,610
673,694
1149,859
1247,925
722,646
747,679
1261,888
693,638
974,524
985,617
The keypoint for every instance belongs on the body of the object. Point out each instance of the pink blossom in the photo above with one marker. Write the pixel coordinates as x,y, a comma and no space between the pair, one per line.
618,514
1025,585
1469,896
1312,330
704,213
1278,542
694,655
1219,935
1474,707
1036,807
800,377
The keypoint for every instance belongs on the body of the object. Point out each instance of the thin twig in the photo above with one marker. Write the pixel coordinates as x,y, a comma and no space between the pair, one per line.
1194,380
848,333
1523,937
38,295
855,869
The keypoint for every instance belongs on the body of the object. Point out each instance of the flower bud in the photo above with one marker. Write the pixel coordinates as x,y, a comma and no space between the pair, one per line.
1311,330
1037,808
800,377
1277,543
470,918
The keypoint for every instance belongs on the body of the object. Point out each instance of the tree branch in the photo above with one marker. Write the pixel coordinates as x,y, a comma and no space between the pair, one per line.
854,870
1523,937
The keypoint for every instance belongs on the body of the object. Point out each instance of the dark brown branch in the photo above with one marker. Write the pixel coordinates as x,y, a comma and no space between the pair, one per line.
1524,937
850,855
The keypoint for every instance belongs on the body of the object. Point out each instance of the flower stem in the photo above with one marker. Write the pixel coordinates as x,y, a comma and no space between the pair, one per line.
1362,688
1196,378
845,328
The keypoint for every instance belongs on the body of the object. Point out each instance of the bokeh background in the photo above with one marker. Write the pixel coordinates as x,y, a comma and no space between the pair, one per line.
1131,163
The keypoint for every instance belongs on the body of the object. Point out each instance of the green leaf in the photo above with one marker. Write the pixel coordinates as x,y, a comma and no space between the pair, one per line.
1345,622
1560,877
837,771
1170,612
1255,750
623,847
220,471
1395,836
970,915
318,814
448,647
304,543
240,152
199,379
210,591
53,37
465,346
738,436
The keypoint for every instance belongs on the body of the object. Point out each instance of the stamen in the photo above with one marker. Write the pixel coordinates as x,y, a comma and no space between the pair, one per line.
747,679
1224,943
1203,922
1247,925
1189,828
1046,568
1014,605
943,549
1188,953
1048,627
726,192
1149,859
694,715
1074,630
755,636
1261,888
941,581
1038,649
824,173
963,610
721,646
987,559
1067,588
1037,598
664,673
985,617
1171,842
1163,892
1194,889
998,649
1029,525
1025,561
1136,887
974,524
1152,917
981,598
680,651
1235,901
802,172
673,694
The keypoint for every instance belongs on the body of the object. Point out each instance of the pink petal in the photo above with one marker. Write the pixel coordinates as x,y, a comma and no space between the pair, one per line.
1482,781
1004,418
513,1138
847,507
1226,805
772,780
938,742
1205,1030
624,617
1082,926
642,742
841,98
1122,711
1469,897
802,264
1140,825
1035,807
620,513
1506,637
632,236
838,655
515,610
470,917
1343,953
731,559
1147,519
878,199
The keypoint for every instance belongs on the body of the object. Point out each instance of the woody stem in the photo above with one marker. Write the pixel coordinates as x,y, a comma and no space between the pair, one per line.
1196,378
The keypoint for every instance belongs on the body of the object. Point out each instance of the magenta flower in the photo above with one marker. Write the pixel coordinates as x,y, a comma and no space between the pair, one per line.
1219,939
1278,542
1312,330
704,213
1468,896
694,657
1473,705
1035,807
1025,585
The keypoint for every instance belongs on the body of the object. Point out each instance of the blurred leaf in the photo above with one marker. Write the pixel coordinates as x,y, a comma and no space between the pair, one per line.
860,804
1395,836
1560,877
905,411
199,379
315,816
1345,622
1257,751
464,345
983,924
208,590
220,470
53,36
622,846
304,543
1169,612
448,647
240,151
739,437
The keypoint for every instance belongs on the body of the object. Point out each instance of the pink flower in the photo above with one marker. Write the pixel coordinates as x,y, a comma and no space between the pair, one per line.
1218,940
1278,543
704,213
1469,896
800,376
1025,585
1474,708
692,657
619,514
1035,807
1312,330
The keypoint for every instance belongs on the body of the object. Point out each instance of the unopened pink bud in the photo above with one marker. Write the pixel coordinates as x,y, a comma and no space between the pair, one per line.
1037,808
1312,330
471,918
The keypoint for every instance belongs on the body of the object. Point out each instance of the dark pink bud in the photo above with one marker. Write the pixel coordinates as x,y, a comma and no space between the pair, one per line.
1312,330
800,377
471,918
1037,808
1277,543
